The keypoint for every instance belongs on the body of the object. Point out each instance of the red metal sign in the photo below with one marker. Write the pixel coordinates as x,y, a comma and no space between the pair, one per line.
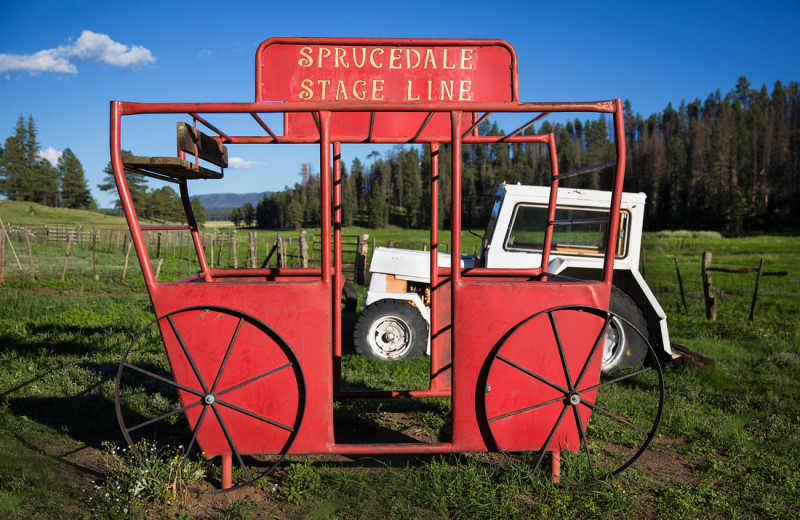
413,72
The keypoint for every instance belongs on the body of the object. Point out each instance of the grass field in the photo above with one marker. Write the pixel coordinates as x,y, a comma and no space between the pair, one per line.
728,446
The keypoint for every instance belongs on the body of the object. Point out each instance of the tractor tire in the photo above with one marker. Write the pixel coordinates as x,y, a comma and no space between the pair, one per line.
391,330
623,347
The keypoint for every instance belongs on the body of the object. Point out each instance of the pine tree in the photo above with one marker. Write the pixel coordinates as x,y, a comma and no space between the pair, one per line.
74,190
17,165
248,214
137,185
198,210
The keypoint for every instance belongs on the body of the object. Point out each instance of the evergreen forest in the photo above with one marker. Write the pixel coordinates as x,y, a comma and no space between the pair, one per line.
730,163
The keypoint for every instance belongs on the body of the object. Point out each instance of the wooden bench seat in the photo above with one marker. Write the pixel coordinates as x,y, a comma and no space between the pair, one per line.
173,167
189,141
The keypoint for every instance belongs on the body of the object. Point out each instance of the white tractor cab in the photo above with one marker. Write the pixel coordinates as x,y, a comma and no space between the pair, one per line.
395,322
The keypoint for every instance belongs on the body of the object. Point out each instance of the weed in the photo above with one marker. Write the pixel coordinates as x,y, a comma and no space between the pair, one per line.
144,475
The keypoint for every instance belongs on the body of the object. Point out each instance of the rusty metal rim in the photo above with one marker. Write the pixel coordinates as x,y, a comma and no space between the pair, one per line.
203,396
569,394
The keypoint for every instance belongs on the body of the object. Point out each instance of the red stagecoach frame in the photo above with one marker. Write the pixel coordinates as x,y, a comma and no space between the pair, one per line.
467,339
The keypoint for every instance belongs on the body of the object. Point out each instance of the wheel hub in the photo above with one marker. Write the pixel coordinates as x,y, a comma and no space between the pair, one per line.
574,399
209,399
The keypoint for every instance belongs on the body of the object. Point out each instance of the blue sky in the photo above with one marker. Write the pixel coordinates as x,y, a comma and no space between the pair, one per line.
62,62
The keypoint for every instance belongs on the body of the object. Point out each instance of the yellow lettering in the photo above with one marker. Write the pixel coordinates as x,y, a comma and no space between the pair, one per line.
430,85
340,55
409,97
363,57
408,58
341,90
322,50
445,90
307,91
444,60
466,55
394,57
376,89
360,93
465,92
306,60
324,84
372,58
429,58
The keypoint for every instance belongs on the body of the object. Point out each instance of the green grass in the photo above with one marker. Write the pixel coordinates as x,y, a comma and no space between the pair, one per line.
728,446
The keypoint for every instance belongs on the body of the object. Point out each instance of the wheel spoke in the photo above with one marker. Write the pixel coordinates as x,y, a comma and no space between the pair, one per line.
230,440
597,343
583,439
550,438
527,409
186,353
265,374
255,415
533,375
613,381
613,416
163,416
561,351
196,429
163,379
227,353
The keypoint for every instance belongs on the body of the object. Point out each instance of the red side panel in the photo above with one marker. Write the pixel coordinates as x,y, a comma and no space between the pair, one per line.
300,313
487,313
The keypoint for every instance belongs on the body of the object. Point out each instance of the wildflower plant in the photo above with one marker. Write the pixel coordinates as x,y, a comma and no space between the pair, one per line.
144,475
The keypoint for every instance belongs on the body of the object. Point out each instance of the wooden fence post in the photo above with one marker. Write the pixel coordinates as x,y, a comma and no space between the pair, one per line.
680,284
66,256
235,251
280,250
711,305
303,249
158,268
253,250
11,245
361,259
755,291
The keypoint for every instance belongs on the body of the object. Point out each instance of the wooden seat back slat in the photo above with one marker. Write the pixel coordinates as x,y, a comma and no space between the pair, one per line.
197,143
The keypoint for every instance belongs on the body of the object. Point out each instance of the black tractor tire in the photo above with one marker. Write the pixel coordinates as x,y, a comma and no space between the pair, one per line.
391,330
624,347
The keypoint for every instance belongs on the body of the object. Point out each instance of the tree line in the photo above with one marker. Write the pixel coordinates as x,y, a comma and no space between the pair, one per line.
729,163
25,175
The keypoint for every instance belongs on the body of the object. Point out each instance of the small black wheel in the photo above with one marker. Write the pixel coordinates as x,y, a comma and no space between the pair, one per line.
349,297
543,390
624,347
225,385
391,330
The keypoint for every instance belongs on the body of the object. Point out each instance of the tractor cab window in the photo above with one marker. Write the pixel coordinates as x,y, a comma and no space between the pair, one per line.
577,237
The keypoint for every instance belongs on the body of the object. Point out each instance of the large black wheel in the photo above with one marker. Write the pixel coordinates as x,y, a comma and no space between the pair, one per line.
391,330
543,391
214,396
624,346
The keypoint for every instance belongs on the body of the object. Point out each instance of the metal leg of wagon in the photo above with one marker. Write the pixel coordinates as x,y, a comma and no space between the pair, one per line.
227,471
555,466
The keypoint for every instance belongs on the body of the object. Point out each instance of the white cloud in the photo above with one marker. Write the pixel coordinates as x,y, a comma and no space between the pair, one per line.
51,154
101,48
89,47
237,163
47,60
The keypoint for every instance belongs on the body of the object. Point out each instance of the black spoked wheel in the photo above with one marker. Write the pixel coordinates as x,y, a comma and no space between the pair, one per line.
544,391
225,385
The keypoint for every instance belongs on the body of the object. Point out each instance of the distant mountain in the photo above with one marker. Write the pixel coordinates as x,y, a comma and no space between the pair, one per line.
229,201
